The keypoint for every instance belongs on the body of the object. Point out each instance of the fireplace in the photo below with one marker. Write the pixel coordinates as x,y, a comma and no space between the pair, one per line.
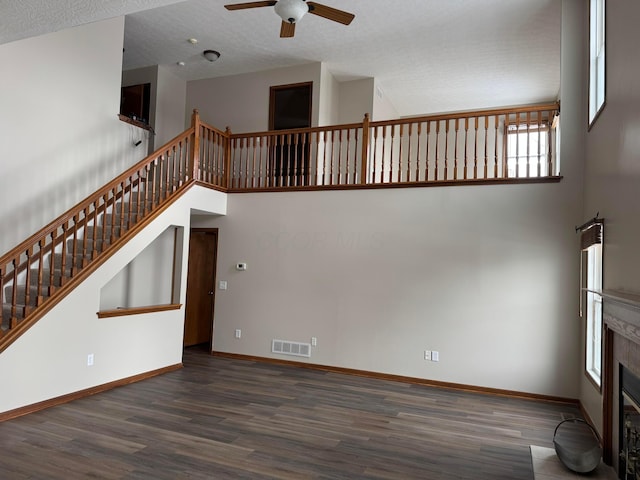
621,385
629,434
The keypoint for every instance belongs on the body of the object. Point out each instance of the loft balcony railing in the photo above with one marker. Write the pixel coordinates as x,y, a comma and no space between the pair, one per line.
492,145
508,145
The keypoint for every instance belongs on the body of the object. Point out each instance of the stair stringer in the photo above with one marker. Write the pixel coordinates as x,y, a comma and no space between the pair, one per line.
49,360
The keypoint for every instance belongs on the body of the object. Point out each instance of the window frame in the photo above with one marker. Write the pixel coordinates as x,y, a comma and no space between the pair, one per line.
593,315
592,254
597,59
536,129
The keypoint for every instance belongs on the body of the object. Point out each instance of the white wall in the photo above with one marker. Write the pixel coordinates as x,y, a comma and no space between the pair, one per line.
59,129
484,275
167,103
612,174
52,355
146,280
242,101
383,109
170,106
329,98
356,99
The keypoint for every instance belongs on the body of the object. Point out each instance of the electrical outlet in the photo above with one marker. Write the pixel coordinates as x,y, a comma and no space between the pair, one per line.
238,333
90,360
435,356
427,354
314,342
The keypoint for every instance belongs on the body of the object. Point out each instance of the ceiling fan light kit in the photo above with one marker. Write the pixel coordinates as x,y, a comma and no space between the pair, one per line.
291,11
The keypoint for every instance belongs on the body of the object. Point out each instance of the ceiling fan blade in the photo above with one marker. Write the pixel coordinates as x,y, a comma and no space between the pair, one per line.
330,13
242,6
287,30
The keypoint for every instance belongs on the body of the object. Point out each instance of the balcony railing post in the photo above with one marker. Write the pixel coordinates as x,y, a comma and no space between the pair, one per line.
365,149
194,166
227,157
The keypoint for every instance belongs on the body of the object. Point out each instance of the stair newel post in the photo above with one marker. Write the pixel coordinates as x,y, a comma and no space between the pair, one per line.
194,166
227,157
365,149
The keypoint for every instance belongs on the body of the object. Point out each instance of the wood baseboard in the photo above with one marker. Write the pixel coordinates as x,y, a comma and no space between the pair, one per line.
18,412
404,379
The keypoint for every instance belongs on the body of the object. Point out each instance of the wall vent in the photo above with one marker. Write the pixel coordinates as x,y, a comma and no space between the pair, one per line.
291,348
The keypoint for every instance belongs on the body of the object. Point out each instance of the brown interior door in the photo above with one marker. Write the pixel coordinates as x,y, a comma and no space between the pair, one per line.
201,279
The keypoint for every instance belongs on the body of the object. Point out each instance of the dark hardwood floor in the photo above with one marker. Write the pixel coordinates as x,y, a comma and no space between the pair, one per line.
221,418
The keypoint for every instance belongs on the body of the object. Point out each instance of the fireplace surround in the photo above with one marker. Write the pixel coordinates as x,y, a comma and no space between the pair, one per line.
621,318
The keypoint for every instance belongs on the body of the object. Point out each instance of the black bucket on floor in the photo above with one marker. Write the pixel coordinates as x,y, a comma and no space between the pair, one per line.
580,457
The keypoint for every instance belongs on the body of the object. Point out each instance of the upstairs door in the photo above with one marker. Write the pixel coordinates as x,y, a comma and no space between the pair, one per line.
201,280
290,108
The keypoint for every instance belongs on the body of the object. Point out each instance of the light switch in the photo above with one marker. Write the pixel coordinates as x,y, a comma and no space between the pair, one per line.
222,285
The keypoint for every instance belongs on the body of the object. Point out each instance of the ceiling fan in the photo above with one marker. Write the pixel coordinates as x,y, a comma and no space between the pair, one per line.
291,11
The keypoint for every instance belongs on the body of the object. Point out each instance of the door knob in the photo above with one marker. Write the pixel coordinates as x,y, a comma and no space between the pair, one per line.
211,292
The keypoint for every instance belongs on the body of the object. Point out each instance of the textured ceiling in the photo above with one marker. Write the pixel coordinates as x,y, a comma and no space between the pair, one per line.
27,18
427,55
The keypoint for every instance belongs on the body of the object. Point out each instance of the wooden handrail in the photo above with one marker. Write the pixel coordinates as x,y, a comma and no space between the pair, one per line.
212,128
469,114
291,131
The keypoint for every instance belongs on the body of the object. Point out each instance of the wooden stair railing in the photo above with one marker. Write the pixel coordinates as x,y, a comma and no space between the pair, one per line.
42,269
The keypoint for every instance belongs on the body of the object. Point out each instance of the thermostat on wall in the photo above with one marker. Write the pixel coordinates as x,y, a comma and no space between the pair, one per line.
241,267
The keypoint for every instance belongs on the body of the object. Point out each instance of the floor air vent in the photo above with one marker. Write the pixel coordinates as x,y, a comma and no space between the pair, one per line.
291,348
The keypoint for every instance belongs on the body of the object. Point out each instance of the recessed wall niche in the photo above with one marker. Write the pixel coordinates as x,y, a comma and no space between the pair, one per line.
150,278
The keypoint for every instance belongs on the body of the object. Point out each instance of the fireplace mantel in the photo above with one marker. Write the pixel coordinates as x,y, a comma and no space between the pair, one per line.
621,313
621,318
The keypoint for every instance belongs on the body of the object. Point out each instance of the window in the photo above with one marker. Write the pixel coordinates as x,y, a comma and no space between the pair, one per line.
597,59
527,150
592,299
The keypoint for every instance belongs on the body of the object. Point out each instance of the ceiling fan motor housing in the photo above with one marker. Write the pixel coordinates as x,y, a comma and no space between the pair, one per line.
291,10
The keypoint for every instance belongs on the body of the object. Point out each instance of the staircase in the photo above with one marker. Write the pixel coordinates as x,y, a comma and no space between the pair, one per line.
43,269
57,268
